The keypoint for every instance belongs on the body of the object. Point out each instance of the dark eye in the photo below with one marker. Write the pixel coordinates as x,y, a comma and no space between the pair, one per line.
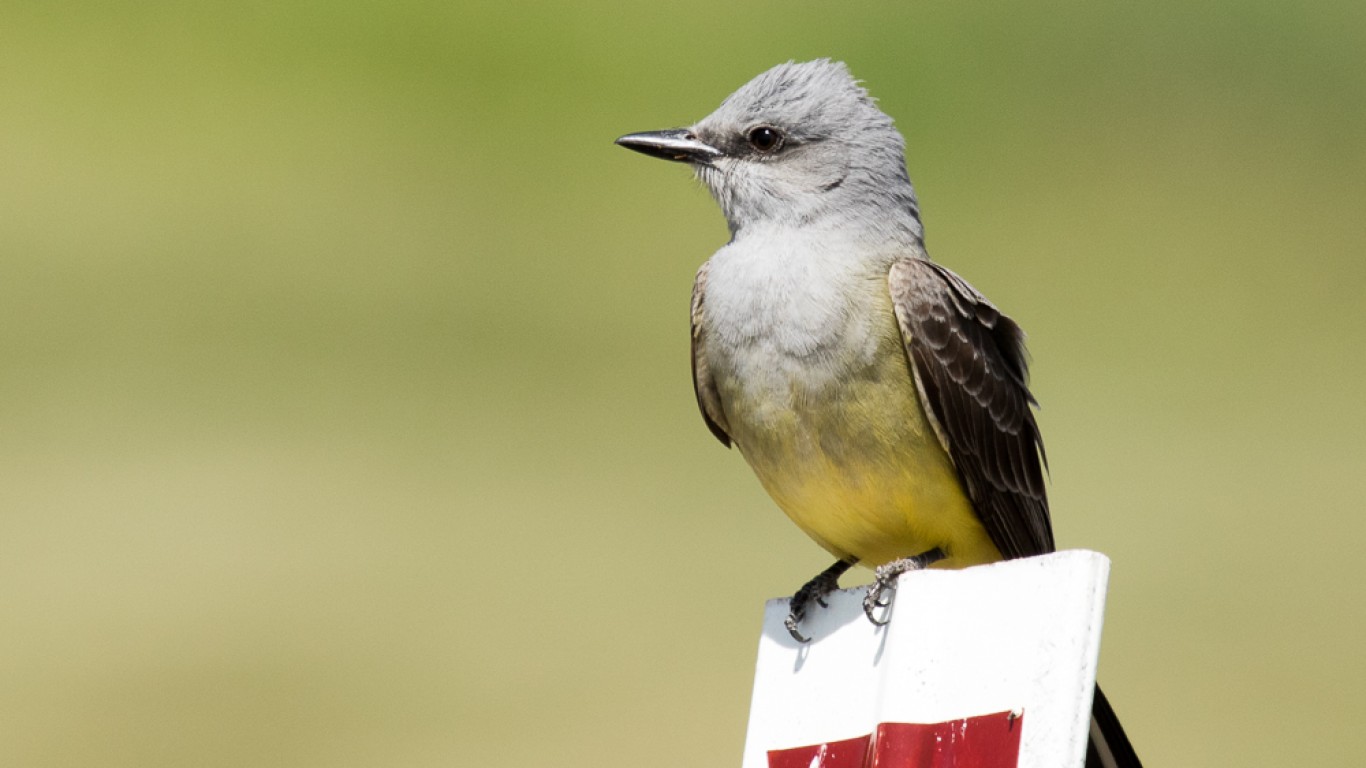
765,138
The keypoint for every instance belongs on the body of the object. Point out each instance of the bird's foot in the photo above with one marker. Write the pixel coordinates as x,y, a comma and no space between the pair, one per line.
826,581
884,581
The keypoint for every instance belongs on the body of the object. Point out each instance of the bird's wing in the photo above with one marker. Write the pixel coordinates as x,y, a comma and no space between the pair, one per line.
708,401
969,364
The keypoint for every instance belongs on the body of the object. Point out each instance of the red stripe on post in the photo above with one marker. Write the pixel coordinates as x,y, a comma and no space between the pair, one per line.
849,753
985,741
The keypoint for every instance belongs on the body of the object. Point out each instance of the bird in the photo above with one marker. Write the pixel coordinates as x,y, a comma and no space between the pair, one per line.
880,399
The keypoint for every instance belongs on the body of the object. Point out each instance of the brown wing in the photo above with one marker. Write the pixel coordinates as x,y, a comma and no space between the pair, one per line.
969,363
707,399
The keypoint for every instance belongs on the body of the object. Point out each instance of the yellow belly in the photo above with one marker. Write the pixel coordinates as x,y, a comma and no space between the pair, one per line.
857,466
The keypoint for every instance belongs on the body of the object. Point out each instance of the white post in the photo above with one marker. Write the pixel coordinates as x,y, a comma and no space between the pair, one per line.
987,667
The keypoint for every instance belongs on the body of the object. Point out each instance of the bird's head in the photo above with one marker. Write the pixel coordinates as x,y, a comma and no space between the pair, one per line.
799,144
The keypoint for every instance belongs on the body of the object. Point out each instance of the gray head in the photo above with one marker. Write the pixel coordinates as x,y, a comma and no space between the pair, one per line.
800,144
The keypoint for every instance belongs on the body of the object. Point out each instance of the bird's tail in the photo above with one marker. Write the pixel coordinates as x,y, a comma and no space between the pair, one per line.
1109,747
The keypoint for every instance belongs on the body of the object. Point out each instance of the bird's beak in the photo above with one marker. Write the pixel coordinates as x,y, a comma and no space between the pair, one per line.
680,145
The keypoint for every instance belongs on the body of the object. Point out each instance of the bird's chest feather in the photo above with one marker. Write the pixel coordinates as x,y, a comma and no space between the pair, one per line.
784,322
805,353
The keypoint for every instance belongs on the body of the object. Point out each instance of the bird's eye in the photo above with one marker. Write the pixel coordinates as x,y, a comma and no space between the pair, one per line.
765,138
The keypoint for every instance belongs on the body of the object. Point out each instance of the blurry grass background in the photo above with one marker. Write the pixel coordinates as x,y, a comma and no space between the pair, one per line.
345,415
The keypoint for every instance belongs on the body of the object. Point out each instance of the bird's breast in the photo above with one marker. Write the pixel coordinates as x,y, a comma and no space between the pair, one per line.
808,362
782,313
807,359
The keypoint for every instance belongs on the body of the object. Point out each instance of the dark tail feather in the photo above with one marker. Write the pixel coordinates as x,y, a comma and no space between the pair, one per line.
1109,747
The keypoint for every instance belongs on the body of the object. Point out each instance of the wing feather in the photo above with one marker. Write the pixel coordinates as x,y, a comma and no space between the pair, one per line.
708,401
969,361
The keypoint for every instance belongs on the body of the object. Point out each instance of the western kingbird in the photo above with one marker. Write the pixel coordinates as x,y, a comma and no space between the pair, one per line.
880,399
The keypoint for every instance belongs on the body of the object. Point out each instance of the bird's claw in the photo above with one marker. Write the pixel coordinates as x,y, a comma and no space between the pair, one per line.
880,592
815,590
879,596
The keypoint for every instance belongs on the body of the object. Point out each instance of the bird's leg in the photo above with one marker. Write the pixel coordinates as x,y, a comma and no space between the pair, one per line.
826,581
884,580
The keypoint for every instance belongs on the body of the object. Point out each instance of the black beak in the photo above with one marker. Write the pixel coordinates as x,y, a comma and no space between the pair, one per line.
680,145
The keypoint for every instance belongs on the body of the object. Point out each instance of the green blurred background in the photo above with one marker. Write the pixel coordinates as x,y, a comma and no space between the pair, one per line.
346,409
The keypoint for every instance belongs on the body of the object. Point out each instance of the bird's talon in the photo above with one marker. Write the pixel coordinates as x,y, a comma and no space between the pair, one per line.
791,623
871,612
883,598
813,591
